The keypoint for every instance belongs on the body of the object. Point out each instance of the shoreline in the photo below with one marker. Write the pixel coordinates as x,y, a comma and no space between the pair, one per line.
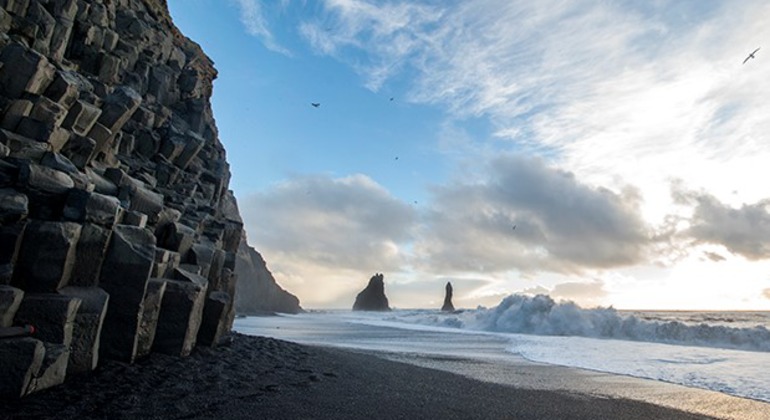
258,377
537,376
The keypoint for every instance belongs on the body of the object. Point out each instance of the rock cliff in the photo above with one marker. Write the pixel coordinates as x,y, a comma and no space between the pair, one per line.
118,234
372,298
256,291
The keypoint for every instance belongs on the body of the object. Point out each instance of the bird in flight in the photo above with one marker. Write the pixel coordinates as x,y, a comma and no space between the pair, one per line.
315,104
750,56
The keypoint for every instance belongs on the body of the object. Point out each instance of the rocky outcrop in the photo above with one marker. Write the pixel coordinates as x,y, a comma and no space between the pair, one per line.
118,234
448,306
257,291
372,298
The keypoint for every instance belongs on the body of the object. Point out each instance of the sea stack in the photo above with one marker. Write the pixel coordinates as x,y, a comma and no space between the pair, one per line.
448,307
372,298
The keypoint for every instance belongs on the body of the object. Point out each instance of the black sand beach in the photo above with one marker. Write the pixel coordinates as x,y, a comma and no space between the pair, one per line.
263,378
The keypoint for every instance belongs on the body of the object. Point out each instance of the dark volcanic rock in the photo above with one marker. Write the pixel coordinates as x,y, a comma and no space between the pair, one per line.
448,306
257,290
372,298
180,317
20,360
111,174
87,327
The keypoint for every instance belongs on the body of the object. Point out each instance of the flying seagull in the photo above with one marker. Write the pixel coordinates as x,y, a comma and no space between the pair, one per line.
315,104
750,56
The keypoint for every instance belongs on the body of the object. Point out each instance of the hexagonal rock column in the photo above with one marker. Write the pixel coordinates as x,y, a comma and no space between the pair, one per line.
89,255
54,368
153,298
20,360
10,242
180,318
214,321
125,273
14,206
52,315
10,299
24,71
84,206
84,352
46,256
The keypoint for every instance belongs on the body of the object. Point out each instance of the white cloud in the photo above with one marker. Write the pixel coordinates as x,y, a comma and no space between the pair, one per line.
390,32
324,235
344,223
743,230
536,290
253,19
588,84
612,93
528,216
582,292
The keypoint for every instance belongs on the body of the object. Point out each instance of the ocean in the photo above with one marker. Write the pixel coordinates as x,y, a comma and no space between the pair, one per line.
727,352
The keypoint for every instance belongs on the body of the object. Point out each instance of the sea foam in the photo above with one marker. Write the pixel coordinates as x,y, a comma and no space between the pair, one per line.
541,315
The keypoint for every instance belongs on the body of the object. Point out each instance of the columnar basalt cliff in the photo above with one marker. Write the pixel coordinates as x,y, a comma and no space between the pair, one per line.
118,234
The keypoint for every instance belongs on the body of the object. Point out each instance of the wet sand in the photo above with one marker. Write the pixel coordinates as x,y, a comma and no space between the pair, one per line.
265,378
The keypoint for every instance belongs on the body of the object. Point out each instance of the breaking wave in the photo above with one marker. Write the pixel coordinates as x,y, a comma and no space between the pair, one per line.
541,315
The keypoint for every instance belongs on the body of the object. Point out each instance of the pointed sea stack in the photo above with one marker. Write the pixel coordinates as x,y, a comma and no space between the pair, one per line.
372,298
448,307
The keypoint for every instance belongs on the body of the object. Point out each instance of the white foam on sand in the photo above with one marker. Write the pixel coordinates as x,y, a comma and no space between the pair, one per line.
734,372
427,332
541,315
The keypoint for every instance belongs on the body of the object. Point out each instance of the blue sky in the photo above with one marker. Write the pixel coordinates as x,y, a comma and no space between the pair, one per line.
626,143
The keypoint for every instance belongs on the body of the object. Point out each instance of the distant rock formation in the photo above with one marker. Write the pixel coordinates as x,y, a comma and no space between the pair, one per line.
257,291
448,307
372,298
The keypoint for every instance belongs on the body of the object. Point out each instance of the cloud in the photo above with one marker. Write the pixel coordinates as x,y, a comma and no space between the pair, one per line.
766,293
588,84
713,256
537,290
584,293
253,19
743,230
389,32
580,291
561,225
427,291
339,223
611,93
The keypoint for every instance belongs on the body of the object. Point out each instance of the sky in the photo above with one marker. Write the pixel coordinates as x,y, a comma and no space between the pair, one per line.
608,153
